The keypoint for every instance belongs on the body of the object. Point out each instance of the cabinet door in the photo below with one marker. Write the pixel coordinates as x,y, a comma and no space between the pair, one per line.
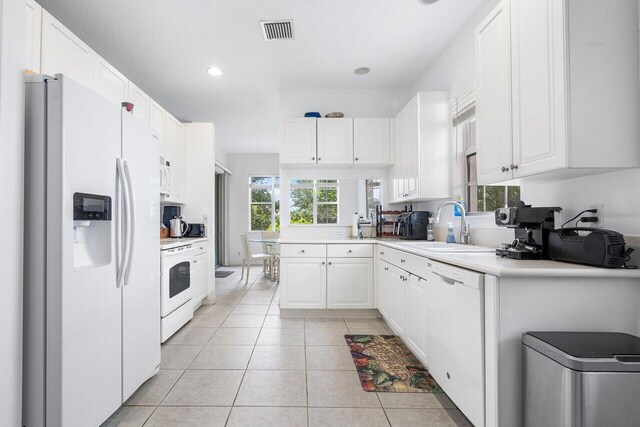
493,103
141,104
175,153
157,122
398,169
383,288
411,148
455,337
350,283
109,82
416,311
303,283
33,15
335,141
63,52
371,142
299,142
538,72
199,277
397,280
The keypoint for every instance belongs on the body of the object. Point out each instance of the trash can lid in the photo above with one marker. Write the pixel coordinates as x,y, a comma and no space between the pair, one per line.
588,351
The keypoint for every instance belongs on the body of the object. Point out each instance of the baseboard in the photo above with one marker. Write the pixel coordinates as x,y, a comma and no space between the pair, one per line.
368,313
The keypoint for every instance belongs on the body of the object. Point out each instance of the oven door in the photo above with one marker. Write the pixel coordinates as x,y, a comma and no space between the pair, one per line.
176,278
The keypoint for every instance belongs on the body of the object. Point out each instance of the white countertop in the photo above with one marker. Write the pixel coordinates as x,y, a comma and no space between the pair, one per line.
489,263
170,243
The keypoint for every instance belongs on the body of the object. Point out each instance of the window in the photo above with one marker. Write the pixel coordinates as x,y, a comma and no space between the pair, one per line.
314,201
264,203
478,198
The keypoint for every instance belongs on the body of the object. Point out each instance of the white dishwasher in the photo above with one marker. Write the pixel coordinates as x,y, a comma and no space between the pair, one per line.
455,329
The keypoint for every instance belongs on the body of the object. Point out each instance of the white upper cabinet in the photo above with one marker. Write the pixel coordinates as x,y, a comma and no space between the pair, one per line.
299,142
335,141
371,142
422,169
157,118
109,82
33,16
141,104
175,154
557,94
63,52
493,99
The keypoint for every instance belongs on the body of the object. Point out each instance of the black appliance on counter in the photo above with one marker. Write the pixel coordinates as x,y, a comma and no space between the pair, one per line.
168,212
532,226
413,225
591,246
195,230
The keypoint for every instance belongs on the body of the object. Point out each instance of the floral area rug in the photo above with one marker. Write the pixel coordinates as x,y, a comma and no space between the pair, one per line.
385,364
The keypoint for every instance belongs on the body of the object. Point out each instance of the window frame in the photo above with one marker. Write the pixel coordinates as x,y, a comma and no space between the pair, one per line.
274,188
314,186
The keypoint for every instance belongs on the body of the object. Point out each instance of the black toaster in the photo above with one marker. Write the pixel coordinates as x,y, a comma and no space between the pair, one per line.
591,246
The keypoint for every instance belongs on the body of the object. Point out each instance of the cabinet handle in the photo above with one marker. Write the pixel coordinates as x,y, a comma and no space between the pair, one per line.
504,169
513,167
402,260
349,251
195,262
386,269
356,159
330,263
319,159
302,251
381,253
322,262
313,158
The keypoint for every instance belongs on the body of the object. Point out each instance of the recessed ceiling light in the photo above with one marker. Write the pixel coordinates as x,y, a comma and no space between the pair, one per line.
426,2
362,71
214,71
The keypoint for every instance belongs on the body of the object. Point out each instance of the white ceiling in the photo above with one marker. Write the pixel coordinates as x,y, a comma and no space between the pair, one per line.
165,47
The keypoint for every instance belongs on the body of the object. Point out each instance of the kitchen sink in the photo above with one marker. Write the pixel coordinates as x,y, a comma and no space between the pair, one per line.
446,247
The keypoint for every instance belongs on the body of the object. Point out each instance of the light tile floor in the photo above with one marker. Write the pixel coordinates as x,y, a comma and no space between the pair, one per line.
238,363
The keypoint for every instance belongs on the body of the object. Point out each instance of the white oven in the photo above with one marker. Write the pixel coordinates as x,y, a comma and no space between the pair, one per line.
176,266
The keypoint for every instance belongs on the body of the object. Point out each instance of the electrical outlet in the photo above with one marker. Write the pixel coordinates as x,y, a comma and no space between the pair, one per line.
339,232
205,219
599,214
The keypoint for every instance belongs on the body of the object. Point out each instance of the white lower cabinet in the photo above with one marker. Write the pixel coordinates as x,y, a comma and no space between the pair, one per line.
349,283
383,279
199,278
303,283
395,295
415,329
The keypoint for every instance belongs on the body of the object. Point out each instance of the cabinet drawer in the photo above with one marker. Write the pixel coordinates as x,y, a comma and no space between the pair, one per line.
383,253
350,251
413,264
303,251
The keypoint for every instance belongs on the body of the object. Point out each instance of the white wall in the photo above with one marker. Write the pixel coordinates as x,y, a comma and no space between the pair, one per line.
12,60
242,166
453,70
199,183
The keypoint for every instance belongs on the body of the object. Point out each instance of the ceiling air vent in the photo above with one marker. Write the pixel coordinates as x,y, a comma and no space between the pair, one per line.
277,30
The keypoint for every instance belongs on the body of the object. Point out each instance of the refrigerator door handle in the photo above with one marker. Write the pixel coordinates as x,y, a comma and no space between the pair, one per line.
131,221
125,247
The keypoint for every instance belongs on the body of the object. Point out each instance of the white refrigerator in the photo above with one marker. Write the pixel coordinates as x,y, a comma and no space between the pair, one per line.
92,255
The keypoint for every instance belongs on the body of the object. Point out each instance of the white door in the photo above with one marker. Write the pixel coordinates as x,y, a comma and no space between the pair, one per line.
140,101
33,15
175,153
411,147
335,141
63,52
371,142
396,291
299,142
157,123
539,98
493,103
199,279
84,316
416,316
109,82
141,290
303,283
383,288
350,283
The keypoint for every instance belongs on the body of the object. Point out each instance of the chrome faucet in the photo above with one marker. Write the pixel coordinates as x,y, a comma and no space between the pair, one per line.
464,227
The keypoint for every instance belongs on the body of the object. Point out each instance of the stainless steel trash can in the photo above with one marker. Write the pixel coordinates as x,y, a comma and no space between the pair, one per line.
581,379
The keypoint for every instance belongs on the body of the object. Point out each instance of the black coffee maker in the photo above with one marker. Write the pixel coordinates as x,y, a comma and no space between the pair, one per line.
413,225
531,227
